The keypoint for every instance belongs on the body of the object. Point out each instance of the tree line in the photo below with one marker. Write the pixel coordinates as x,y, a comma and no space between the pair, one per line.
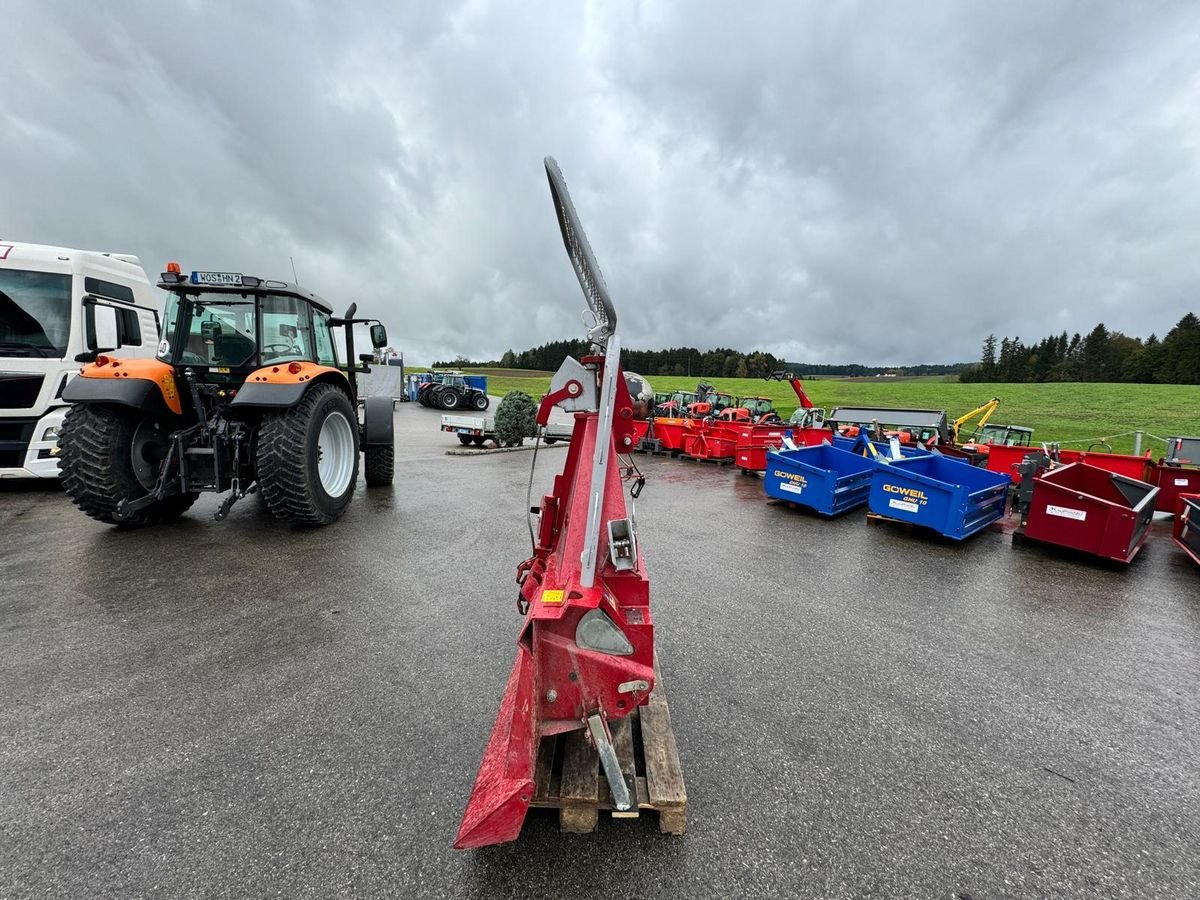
689,361
1101,355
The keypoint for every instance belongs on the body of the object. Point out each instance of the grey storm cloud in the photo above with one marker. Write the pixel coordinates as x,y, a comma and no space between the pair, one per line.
831,182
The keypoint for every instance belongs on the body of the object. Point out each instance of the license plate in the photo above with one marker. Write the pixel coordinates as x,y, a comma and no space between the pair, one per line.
218,279
464,431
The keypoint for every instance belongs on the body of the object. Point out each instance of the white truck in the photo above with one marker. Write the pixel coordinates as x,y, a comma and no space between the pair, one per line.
479,429
58,308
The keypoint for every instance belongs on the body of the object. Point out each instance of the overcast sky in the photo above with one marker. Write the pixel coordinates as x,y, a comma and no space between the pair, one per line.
831,182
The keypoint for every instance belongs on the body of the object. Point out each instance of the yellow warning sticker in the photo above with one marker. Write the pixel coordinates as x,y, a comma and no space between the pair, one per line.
224,370
552,596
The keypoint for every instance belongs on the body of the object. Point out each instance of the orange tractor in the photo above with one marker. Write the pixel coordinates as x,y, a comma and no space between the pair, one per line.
246,395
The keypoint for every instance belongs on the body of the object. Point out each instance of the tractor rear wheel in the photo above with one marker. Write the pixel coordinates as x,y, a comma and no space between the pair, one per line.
307,460
480,401
449,399
379,465
108,456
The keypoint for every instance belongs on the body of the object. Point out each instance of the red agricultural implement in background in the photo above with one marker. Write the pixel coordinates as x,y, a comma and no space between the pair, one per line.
1187,525
585,653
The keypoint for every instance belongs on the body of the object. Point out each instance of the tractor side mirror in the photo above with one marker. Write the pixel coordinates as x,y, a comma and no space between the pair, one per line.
288,331
210,330
378,336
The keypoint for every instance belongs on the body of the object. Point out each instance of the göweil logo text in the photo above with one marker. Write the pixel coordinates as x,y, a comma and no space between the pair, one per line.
908,493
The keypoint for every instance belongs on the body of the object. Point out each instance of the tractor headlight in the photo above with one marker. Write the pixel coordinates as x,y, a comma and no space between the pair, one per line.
50,434
598,632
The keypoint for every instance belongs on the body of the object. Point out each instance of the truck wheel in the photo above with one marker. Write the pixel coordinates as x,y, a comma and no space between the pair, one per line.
478,440
97,450
481,401
449,399
379,464
465,440
307,459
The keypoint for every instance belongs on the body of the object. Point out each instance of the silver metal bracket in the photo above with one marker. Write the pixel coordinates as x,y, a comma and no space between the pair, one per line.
608,759
588,400
622,544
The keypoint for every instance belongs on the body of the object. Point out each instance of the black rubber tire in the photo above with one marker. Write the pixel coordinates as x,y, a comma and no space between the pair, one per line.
478,441
379,465
449,398
550,441
286,461
97,469
481,401
465,440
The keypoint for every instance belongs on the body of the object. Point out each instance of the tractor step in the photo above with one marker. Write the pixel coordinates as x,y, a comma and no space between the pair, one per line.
569,776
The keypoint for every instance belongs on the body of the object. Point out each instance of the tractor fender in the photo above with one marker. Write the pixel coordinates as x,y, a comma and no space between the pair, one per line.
145,384
282,386
378,428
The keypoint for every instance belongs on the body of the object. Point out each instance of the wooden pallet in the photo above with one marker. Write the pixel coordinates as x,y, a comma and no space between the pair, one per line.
569,777
876,518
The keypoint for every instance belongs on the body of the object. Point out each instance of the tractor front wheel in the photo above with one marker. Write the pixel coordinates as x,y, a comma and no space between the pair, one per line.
307,460
481,401
108,456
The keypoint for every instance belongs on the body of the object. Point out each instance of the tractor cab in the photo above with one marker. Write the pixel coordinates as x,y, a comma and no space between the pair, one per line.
225,326
1006,435
812,417
246,395
712,404
750,409
676,404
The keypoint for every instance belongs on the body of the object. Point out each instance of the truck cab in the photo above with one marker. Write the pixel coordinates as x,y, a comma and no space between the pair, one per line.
60,307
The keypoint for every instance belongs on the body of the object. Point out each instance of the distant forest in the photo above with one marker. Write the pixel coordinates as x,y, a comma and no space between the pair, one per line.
1101,355
719,363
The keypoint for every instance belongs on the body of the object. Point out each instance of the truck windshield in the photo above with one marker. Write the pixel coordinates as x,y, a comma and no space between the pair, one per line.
35,313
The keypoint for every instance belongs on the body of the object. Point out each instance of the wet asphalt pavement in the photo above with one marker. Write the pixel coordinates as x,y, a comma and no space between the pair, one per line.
239,709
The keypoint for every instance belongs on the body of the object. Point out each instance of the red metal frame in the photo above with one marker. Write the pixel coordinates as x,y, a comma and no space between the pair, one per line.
1174,482
1187,518
1078,506
556,684
1002,458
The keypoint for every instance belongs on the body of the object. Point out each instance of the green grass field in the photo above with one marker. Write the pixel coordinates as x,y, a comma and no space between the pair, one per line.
1057,412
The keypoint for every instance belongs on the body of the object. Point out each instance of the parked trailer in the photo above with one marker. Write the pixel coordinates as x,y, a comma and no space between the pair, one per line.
1187,525
951,497
478,430
1083,507
824,478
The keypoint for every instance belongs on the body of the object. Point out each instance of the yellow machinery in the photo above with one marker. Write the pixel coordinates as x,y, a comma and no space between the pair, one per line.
984,412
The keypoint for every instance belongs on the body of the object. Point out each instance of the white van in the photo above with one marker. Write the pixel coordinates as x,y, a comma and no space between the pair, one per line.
58,308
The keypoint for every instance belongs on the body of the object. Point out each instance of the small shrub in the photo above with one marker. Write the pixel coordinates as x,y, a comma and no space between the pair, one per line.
516,419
